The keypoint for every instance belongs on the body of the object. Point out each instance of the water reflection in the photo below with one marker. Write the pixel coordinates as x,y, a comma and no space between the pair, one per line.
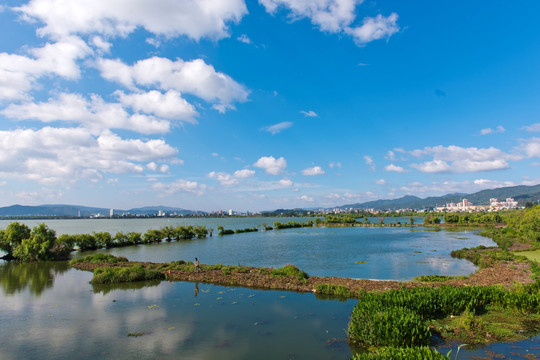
107,288
16,277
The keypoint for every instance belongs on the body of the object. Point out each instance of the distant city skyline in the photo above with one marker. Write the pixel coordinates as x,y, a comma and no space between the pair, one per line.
259,105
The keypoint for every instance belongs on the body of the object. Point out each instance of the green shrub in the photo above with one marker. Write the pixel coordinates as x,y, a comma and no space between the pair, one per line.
375,324
290,270
328,289
115,275
437,278
99,258
395,353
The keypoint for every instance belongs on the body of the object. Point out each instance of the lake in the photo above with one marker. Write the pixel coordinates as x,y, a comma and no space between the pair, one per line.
50,311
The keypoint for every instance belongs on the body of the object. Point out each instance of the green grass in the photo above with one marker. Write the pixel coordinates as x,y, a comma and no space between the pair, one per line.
99,258
531,255
290,270
115,275
437,278
410,353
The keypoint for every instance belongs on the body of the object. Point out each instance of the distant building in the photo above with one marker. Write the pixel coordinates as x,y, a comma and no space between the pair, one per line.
231,212
111,213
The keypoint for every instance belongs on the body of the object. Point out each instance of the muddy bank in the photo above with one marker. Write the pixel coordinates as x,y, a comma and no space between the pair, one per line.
505,274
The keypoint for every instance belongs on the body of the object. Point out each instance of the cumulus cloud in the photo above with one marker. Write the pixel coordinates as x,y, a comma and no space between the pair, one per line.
170,105
285,182
374,28
19,73
274,129
381,182
63,155
316,170
309,113
337,16
271,165
498,129
193,77
179,185
306,198
532,127
244,39
228,179
223,178
531,147
394,168
244,173
94,114
195,19
458,159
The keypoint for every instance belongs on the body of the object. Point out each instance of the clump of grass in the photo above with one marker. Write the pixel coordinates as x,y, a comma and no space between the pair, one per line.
290,270
227,270
99,258
408,353
399,317
437,278
337,290
115,275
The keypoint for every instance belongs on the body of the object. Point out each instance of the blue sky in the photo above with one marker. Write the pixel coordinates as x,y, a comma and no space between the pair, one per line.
258,105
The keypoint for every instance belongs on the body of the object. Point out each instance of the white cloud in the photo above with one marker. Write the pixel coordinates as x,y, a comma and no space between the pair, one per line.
64,155
285,182
244,39
333,165
309,113
244,173
180,185
170,105
195,19
374,28
274,129
391,155
223,178
533,127
95,114
271,165
228,179
316,170
381,182
394,168
18,73
498,129
369,162
531,147
337,16
458,159
193,77
329,15
306,198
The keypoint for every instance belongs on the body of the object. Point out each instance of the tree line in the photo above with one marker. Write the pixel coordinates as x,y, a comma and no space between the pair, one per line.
19,242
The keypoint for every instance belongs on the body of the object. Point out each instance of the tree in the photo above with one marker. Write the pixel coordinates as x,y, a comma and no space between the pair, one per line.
38,246
12,237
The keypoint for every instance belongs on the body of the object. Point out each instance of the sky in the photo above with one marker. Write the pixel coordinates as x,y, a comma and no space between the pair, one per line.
257,105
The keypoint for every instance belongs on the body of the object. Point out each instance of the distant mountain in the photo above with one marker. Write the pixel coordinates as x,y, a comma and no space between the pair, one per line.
521,194
83,211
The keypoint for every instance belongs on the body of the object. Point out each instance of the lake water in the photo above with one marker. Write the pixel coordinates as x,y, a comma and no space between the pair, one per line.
50,311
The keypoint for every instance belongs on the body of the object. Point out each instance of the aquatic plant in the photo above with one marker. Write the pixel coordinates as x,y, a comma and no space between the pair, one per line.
437,278
99,258
114,275
329,289
402,353
290,270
